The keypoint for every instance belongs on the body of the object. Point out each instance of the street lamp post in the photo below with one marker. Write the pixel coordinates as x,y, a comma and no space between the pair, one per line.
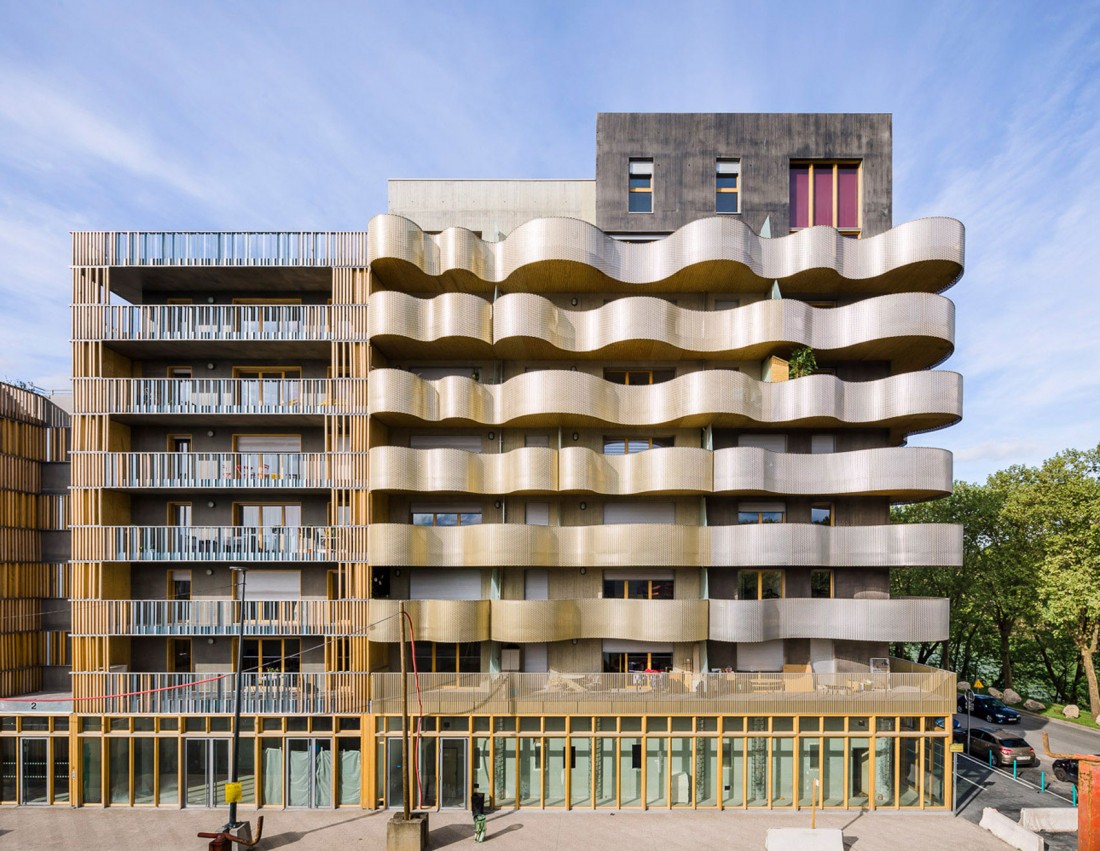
233,791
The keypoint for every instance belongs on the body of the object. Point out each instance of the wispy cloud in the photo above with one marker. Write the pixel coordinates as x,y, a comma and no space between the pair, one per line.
292,115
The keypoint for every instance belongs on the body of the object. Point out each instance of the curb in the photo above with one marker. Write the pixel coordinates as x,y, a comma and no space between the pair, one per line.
1063,721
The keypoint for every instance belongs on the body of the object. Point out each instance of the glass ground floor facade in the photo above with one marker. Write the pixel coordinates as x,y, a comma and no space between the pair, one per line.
571,762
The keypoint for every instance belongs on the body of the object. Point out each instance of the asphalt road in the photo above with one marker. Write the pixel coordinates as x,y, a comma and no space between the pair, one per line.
1064,738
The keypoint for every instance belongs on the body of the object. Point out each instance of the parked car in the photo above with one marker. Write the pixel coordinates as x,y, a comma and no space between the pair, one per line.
1066,770
1005,747
991,709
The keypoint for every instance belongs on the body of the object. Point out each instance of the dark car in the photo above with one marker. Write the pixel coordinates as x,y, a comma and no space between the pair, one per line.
1066,770
991,709
1005,747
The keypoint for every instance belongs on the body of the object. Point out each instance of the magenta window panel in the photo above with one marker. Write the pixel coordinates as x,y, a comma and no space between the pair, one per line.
823,195
800,196
847,188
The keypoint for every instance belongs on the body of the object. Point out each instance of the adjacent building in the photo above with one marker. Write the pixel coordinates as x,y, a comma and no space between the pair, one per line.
570,427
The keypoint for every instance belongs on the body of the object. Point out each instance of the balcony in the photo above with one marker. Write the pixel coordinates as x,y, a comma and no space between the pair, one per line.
570,255
663,545
219,248
895,619
911,690
899,472
220,396
219,543
916,691
213,693
220,470
220,617
213,323
523,621
911,330
916,401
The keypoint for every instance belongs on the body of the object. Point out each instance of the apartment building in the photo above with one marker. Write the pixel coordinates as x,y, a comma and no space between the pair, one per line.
568,426
34,606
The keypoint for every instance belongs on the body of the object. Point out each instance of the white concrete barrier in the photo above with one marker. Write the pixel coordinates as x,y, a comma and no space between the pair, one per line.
1050,819
804,839
1006,830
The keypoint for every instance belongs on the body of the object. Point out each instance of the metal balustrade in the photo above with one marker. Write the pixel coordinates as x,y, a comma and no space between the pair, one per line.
924,691
240,470
220,248
268,693
220,617
208,396
220,322
220,543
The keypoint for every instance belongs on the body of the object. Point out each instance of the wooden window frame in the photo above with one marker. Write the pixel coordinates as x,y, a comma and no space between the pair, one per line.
667,442
267,369
170,663
759,521
649,589
178,301
190,371
169,445
281,640
170,578
830,506
834,167
623,658
178,504
760,571
627,372
458,656
236,506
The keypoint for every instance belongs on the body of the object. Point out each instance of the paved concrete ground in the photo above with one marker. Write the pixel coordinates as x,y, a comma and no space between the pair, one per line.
530,830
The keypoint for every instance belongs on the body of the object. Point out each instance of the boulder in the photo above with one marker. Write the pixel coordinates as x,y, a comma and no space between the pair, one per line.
1012,697
1071,711
1034,705
963,685
995,692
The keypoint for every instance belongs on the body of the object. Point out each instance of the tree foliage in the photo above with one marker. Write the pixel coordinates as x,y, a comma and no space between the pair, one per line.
1025,606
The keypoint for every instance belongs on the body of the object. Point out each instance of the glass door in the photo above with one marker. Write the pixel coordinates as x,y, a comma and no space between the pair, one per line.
207,772
452,773
309,773
34,770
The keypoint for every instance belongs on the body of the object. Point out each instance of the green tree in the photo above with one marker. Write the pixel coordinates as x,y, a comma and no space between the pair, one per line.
1060,508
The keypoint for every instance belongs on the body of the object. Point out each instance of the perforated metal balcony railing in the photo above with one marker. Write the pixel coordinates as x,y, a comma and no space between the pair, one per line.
220,248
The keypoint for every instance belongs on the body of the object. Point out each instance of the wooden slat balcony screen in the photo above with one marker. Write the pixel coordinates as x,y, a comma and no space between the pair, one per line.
219,396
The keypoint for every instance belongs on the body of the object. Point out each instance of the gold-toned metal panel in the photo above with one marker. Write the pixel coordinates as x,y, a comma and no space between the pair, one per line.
527,470
661,545
911,402
524,621
568,254
433,620
898,619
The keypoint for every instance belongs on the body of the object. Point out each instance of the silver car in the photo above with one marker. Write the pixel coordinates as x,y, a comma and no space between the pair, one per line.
1005,747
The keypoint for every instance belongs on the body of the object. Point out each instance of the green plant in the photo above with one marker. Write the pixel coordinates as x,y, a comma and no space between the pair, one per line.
802,362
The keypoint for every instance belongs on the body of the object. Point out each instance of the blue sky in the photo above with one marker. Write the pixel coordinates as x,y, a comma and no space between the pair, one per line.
239,116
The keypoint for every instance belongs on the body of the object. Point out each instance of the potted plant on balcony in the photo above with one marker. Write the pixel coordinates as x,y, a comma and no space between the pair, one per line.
802,362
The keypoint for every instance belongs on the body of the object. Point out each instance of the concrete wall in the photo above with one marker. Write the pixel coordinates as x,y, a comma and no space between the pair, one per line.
684,147
493,208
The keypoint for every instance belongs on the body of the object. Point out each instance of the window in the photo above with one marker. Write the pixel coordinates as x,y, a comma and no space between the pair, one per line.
179,443
762,512
638,376
536,440
272,655
446,518
821,444
641,186
726,303
645,587
179,656
826,193
624,663
179,372
465,442
267,514
821,513
179,514
759,584
179,584
821,584
445,657
727,173
264,385
634,445
770,442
